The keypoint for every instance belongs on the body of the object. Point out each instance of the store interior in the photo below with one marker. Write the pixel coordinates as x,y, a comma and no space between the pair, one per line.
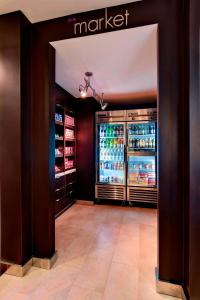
32,92
124,74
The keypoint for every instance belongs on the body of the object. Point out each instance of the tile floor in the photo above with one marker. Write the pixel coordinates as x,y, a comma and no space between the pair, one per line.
104,253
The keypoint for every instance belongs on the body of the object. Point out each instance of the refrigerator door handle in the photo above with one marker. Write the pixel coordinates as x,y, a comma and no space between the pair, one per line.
125,153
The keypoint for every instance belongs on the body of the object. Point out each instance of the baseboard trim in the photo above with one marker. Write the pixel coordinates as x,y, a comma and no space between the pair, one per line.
170,289
21,270
45,263
18,270
84,202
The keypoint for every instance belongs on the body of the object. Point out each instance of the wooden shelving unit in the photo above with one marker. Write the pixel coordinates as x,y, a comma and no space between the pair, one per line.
65,162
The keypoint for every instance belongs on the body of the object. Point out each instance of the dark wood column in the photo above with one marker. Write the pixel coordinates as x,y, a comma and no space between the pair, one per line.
173,140
43,147
15,191
86,149
194,249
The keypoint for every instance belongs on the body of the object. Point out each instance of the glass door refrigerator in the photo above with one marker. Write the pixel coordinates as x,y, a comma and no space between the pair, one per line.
110,155
142,155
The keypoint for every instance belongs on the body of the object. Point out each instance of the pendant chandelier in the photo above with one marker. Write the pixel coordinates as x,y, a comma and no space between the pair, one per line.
83,89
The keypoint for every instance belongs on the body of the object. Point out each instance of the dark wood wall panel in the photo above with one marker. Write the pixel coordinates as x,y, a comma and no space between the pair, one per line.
169,14
194,262
64,98
43,147
173,141
15,137
86,149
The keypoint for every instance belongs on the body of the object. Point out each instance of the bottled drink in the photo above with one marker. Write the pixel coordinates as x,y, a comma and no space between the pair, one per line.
111,155
136,130
154,129
105,132
153,143
113,131
117,131
146,143
130,143
142,129
150,143
137,143
151,129
121,131
108,144
101,131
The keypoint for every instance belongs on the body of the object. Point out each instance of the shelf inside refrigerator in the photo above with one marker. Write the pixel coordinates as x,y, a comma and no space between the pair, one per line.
144,150
141,153
112,137
142,135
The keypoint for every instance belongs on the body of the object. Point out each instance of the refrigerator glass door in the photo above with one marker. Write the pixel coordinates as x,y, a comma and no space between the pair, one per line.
141,171
142,137
111,167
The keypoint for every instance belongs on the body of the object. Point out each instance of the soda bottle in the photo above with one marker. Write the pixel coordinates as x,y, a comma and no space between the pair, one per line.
138,143
153,143
154,129
129,130
146,143
120,131
150,143
136,130
142,129
130,143
151,129
104,131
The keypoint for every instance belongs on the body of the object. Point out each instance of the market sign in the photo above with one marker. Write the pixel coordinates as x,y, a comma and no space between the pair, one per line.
108,22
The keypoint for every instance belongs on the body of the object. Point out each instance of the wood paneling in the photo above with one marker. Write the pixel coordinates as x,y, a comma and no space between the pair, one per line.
194,262
43,148
86,150
169,14
15,138
64,98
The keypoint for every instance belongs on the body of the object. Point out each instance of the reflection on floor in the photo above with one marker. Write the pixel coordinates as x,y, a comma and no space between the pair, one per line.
104,252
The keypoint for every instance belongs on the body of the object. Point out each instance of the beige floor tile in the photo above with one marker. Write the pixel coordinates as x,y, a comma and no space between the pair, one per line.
80,293
122,282
104,252
94,274
13,296
127,252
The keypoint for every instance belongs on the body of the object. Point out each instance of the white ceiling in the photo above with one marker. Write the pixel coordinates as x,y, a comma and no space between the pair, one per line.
124,63
40,10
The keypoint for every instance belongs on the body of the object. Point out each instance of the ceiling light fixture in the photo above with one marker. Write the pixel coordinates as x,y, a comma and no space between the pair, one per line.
83,89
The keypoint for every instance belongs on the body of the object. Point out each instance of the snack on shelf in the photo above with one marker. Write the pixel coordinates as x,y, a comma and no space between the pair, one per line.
69,150
58,117
69,120
59,151
69,134
58,169
69,163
